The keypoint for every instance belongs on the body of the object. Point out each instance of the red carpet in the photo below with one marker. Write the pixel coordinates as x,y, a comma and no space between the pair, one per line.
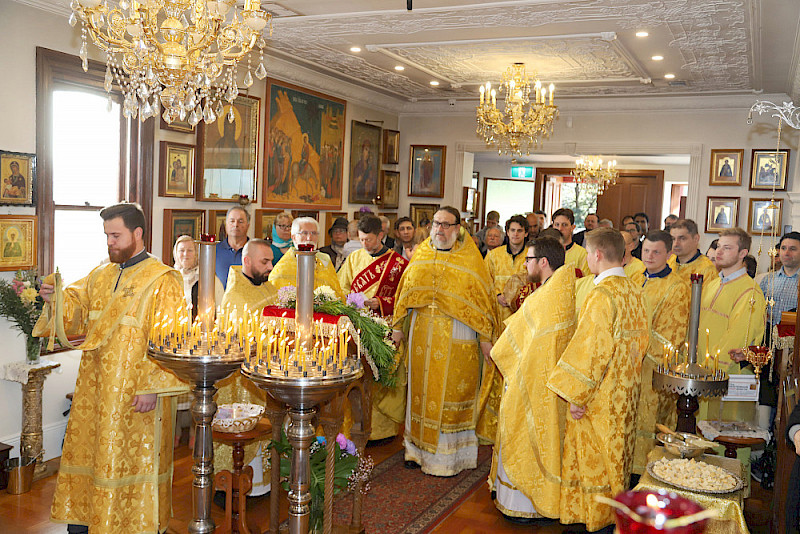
406,501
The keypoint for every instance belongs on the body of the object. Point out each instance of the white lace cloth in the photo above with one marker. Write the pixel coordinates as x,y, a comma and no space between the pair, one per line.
18,371
712,429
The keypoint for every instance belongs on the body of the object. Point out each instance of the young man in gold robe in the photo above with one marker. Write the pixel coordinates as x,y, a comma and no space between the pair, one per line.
248,291
375,270
116,465
526,466
687,259
632,266
732,311
599,374
505,261
305,231
667,296
445,307
564,222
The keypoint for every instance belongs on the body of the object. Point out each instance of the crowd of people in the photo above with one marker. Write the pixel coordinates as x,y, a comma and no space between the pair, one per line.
531,337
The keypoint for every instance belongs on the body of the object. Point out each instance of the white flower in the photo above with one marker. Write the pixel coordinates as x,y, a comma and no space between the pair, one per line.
26,283
325,293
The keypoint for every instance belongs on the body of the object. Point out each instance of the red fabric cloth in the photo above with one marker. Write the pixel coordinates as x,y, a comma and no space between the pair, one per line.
277,311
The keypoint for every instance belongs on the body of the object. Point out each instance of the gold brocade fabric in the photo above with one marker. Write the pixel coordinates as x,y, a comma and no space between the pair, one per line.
285,272
733,322
667,301
601,370
576,255
634,267
388,404
729,506
501,267
116,464
702,265
236,388
582,288
531,419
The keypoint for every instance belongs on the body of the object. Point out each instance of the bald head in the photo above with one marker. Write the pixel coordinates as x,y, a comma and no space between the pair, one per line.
257,260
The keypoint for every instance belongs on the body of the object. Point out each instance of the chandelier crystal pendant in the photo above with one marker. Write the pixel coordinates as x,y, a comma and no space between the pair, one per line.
523,123
179,55
590,170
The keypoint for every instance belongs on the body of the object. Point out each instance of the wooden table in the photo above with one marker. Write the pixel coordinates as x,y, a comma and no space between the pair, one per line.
239,483
732,443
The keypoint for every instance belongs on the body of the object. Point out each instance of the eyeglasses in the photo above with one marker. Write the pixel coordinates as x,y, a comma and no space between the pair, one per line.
284,226
443,225
529,258
307,234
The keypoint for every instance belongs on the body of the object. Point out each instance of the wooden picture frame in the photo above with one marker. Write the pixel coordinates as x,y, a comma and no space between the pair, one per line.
177,223
764,218
18,241
215,224
468,199
419,211
178,125
392,216
726,167
364,184
331,216
17,178
426,170
390,189
176,181
227,155
301,121
264,219
768,170
305,213
722,213
391,147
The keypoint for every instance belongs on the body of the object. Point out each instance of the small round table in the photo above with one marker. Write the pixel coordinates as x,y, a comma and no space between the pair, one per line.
239,483
732,443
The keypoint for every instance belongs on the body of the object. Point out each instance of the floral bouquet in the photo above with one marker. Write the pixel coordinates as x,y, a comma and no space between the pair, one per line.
374,331
349,469
21,304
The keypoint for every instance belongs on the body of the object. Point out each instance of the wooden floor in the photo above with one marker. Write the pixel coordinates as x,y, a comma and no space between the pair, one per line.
29,513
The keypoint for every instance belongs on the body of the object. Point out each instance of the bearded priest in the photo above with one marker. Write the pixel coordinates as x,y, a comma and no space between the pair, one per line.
375,271
445,307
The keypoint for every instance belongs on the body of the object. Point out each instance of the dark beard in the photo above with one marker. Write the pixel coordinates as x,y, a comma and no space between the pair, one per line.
260,278
122,255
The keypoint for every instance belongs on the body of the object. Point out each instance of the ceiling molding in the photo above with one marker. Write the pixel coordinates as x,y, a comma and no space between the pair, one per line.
57,7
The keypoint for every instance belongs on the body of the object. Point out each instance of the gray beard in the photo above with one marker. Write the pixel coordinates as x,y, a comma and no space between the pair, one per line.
445,244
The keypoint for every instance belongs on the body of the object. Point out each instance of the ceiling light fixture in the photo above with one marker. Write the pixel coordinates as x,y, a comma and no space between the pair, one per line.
179,54
399,67
355,49
522,123
669,76
657,58
589,170
434,83
642,34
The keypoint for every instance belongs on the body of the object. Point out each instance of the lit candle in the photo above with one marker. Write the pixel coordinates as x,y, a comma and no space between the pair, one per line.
708,344
552,90
482,90
260,349
494,98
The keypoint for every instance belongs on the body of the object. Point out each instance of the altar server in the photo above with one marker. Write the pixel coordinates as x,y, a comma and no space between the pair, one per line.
687,259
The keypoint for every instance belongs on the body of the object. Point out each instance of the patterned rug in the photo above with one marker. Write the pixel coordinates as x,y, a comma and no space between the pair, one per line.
406,501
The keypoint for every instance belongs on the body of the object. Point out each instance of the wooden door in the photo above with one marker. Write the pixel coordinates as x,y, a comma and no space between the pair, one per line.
634,191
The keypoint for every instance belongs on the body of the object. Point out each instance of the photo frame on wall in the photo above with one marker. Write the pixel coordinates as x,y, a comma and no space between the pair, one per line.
17,242
390,189
391,147
468,199
764,216
178,125
769,170
307,128
227,160
216,223
17,178
722,213
176,170
178,223
426,171
726,167
392,216
264,219
364,162
418,212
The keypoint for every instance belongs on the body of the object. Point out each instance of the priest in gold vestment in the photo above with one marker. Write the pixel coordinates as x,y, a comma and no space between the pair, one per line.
526,466
305,231
687,259
375,271
116,465
599,374
667,297
445,306
732,310
248,291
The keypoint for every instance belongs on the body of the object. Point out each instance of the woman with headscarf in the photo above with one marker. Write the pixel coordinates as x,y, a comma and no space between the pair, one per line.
186,262
281,236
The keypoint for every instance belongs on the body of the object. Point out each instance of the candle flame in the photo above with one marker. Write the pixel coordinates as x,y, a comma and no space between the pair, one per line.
652,501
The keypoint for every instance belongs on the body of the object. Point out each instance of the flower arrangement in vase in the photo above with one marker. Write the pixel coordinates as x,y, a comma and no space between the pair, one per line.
21,304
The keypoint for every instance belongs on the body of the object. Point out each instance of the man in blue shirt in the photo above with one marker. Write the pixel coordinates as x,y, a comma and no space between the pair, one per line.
229,251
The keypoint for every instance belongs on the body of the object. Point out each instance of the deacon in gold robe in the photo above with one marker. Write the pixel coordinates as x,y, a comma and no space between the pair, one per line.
526,465
305,231
505,261
599,374
375,271
248,291
687,259
732,311
445,306
667,296
116,465
632,266
564,222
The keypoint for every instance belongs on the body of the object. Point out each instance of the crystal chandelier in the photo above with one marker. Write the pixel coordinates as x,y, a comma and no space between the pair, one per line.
522,123
181,55
590,170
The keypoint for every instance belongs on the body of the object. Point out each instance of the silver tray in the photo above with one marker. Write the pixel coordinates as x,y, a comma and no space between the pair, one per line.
739,482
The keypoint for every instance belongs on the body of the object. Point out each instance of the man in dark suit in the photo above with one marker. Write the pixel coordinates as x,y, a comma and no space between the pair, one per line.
590,222
338,233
